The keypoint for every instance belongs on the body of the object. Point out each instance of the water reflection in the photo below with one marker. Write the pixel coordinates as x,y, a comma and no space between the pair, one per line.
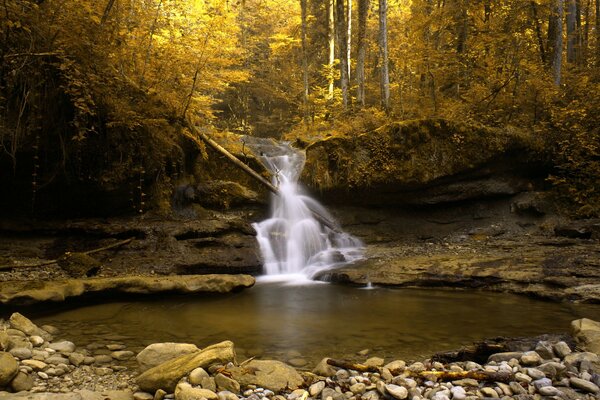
321,320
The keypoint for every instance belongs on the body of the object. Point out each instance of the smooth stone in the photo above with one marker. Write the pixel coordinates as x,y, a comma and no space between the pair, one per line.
158,353
468,382
517,388
551,369
541,383
268,374
370,395
103,371
208,384
489,392
506,390
42,375
458,393
521,377
116,347
21,353
316,388
324,369
225,383
417,367
584,385
35,364
122,355
64,346
225,395
197,375
398,392
587,334
562,349
342,374
396,365
9,368
531,358
57,359
103,359
549,391
51,329
297,362
470,365
185,391
535,373
21,323
88,360
144,396
331,393
358,388
375,362
21,382
507,356
76,359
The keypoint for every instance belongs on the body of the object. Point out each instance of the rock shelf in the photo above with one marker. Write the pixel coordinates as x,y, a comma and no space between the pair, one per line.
37,364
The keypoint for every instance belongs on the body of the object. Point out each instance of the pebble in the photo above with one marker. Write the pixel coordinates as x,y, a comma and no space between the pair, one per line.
358,388
375,362
21,353
64,347
584,385
521,377
535,374
197,375
541,383
545,350
458,393
144,396
562,349
398,392
531,358
549,391
122,355
316,388
42,375
489,392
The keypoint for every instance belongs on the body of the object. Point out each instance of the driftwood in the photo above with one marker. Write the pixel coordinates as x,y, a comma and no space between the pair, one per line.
238,163
353,366
483,376
66,255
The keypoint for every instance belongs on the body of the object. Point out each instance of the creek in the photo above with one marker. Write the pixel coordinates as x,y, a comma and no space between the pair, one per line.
318,320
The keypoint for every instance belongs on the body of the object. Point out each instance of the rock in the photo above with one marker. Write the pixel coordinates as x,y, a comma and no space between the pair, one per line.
225,383
166,375
375,362
9,367
561,349
507,356
76,359
23,293
549,391
576,359
103,371
122,355
64,347
551,369
297,362
342,374
584,385
209,384
398,392
24,324
467,382
458,393
517,388
331,393
143,396
268,374
21,353
358,388
158,353
225,395
545,350
396,365
535,373
324,369
489,392
416,367
21,381
57,359
35,364
587,334
197,375
531,358
37,341
316,388
370,395
185,391
539,383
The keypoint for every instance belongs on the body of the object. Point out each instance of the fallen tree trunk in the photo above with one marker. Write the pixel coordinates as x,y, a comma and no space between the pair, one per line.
482,376
238,163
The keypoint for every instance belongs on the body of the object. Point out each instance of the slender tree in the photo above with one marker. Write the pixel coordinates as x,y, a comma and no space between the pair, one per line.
558,44
571,31
538,30
383,57
363,10
598,33
349,38
341,28
331,41
305,112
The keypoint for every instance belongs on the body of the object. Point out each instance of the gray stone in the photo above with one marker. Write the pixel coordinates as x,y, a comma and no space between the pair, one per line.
584,385
185,391
587,334
549,391
517,388
143,396
541,383
225,395
197,375
57,359
158,353
209,384
499,357
375,362
358,388
458,393
9,367
324,369
562,349
342,374
398,392
226,383
417,367
64,346
535,373
76,359
21,382
490,392
545,350
531,358
122,355
551,369
329,392
21,353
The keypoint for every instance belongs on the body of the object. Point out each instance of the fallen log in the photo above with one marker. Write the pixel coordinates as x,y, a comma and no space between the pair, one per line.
66,255
482,376
238,163
353,366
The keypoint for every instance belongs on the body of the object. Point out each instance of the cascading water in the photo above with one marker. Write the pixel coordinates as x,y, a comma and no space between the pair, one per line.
292,240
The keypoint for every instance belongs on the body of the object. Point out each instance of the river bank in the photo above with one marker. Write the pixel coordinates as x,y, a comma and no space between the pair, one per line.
41,363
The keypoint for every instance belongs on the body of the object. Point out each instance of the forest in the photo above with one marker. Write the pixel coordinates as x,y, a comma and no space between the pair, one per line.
95,95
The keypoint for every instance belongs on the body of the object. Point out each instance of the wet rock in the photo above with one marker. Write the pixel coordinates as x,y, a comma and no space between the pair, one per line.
225,383
269,374
122,355
225,395
587,334
9,367
143,396
76,359
535,373
22,381
561,349
375,362
506,356
24,324
63,347
36,341
331,393
316,388
21,353
539,383
531,358
458,393
549,391
166,375
158,353
185,391
297,362
584,385
398,392
197,375
489,392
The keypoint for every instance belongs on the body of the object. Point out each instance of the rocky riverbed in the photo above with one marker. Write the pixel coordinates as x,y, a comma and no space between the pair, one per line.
40,363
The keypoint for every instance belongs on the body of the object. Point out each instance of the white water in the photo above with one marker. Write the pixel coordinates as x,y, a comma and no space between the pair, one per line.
294,245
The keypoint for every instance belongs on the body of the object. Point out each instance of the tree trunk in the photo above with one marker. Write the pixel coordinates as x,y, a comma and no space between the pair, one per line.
571,31
363,10
349,38
331,38
538,30
558,44
463,29
340,17
598,33
303,7
383,57
107,9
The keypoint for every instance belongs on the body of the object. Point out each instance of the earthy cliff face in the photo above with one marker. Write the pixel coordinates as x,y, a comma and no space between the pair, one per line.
423,162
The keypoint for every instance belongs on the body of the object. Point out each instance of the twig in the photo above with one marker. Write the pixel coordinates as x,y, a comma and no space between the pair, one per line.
67,255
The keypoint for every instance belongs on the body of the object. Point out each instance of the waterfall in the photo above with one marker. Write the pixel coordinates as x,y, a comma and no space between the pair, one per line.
291,240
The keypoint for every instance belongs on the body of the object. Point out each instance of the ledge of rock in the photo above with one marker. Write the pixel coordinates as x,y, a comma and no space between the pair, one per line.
422,162
28,292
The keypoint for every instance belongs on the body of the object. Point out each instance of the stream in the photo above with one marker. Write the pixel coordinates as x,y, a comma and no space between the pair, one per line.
283,321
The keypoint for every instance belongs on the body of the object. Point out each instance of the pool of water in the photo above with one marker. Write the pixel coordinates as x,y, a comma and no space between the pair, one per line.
317,320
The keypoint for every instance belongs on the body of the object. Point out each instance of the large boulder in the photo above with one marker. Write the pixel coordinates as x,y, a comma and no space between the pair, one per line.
269,374
166,375
158,353
421,162
20,322
587,334
8,368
